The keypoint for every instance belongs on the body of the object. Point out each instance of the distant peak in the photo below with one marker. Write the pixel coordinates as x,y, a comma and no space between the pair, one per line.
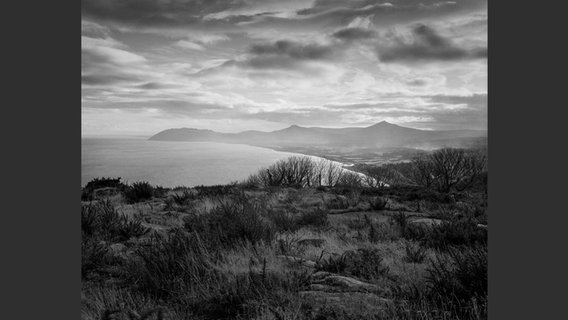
294,126
383,123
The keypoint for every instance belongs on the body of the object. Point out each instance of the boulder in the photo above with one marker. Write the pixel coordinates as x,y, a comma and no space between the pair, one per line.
330,282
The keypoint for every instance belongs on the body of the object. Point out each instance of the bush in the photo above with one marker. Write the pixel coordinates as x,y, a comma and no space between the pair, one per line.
217,190
102,221
139,191
184,198
93,254
100,183
401,220
173,266
231,223
460,278
284,221
287,222
316,218
455,233
378,203
361,263
415,253
338,202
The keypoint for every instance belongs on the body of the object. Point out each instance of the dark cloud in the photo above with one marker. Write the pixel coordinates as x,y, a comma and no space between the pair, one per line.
154,12
102,79
417,82
283,55
350,34
153,86
473,100
103,64
387,12
323,13
428,45
293,50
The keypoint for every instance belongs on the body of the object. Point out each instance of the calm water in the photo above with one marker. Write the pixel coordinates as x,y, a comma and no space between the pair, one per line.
172,164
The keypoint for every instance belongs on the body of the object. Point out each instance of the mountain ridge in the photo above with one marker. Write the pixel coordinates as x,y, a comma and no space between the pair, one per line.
380,135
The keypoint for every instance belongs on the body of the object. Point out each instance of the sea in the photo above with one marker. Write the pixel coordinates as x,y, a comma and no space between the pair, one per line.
172,163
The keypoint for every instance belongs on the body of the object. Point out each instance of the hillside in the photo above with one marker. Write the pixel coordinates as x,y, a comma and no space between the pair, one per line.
378,136
288,243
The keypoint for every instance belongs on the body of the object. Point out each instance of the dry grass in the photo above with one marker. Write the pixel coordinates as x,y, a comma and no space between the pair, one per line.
247,277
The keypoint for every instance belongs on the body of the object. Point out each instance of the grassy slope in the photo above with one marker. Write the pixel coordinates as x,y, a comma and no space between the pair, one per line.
264,262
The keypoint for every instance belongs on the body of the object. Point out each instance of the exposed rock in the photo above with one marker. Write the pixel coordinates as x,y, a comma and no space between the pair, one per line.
427,221
117,248
299,261
331,282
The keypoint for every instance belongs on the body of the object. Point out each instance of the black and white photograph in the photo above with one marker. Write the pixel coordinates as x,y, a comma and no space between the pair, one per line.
284,159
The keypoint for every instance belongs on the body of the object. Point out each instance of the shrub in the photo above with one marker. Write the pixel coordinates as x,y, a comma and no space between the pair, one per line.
316,218
93,254
401,220
460,278
102,221
231,223
100,183
338,202
284,221
231,189
415,253
138,191
361,263
173,265
378,203
184,198
455,233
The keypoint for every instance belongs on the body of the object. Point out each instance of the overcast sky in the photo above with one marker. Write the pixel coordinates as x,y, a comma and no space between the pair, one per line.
234,65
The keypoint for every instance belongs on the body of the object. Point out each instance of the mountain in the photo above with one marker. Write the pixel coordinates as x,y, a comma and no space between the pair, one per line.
377,136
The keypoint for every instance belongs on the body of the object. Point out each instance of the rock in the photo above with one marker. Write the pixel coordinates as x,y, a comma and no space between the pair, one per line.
117,248
318,243
300,261
335,283
427,221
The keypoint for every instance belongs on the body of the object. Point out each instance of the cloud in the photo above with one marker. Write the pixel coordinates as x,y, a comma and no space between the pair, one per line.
428,45
350,34
106,61
189,45
94,30
293,50
296,61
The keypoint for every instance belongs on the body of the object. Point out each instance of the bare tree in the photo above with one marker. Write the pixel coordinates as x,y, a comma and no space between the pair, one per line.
422,171
455,168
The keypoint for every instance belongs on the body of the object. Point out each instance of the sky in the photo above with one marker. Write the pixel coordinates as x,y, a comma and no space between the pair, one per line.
236,65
